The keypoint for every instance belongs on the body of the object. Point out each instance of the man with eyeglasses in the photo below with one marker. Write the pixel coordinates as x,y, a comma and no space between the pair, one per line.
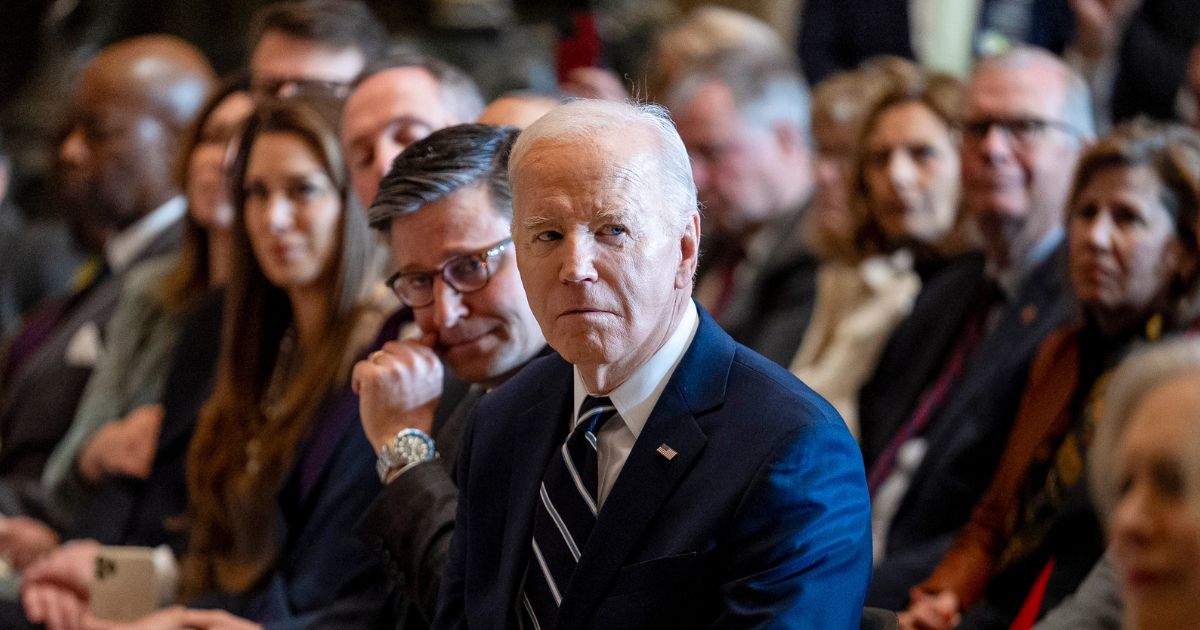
307,46
446,210
937,412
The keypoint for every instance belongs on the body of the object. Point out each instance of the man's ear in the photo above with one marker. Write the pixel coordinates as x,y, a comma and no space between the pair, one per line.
689,250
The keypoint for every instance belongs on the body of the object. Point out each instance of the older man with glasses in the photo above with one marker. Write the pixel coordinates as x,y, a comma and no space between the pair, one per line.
446,210
937,412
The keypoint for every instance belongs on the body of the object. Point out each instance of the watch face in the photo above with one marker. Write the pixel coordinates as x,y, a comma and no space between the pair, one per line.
412,448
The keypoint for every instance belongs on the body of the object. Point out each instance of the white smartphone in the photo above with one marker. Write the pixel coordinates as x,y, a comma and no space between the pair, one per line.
131,582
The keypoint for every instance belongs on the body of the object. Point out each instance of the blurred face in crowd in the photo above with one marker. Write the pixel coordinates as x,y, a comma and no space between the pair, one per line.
114,164
744,170
911,171
292,211
1018,153
1155,523
1123,248
606,264
208,200
283,66
835,152
518,111
483,334
387,112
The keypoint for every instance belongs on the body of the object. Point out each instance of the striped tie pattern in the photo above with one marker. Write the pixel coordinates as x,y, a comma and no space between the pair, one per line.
564,517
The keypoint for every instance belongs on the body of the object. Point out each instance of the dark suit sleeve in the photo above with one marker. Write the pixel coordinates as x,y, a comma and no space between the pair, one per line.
1152,68
413,520
802,536
451,609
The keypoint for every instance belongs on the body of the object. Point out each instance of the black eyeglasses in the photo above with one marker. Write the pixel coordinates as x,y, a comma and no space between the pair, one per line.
275,88
464,274
1023,132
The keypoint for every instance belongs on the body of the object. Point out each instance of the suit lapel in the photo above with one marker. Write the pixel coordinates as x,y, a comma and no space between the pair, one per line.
536,433
649,477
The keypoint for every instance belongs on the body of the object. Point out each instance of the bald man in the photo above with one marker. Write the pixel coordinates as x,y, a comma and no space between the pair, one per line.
116,168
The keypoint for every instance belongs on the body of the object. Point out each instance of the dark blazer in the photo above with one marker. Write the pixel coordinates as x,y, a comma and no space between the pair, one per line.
323,570
39,398
150,512
760,520
412,520
787,295
916,351
967,435
838,35
1152,61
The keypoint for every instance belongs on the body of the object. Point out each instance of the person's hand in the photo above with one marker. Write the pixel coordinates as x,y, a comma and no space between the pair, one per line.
23,540
55,589
56,607
598,83
72,565
215,620
931,611
165,619
398,387
1100,24
123,447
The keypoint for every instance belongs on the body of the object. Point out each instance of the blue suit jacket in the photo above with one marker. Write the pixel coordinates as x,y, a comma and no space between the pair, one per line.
761,520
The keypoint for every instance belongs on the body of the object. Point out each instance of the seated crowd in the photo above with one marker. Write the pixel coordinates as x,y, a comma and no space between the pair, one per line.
913,349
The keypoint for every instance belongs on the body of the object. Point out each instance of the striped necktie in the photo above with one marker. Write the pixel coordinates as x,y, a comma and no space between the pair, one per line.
565,514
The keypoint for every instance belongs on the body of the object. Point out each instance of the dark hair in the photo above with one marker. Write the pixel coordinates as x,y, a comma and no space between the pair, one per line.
336,23
234,540
184,285
442,163
457,90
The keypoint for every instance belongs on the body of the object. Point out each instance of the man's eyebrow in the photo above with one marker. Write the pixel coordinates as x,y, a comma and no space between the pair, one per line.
534,222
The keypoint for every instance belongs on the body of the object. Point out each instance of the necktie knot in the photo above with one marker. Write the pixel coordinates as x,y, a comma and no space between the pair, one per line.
593,413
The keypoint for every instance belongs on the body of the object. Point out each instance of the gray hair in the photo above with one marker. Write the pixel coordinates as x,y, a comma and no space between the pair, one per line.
586,120
767,91
1077,103
1133,379
457,91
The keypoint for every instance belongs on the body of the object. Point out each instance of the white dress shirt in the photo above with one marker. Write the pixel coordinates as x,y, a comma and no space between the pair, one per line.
634,400
121,250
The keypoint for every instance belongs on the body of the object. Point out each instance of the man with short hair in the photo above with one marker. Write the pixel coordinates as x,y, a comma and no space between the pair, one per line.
304,45
396,102
938,410
653,473
446,210
745,121
129,111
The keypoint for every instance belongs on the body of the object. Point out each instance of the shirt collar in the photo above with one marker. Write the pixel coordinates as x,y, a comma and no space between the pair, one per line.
1011,278
637,396
121,250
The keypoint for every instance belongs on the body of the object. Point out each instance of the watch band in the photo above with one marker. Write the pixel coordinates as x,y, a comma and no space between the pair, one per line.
409,448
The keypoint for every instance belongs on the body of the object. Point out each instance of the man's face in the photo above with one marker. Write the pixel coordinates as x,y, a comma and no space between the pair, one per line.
736,164
282,66
385,114
603,260
1014,182
115,163
483,335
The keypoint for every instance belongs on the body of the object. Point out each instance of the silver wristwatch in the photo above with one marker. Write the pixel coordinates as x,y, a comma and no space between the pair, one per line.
409,448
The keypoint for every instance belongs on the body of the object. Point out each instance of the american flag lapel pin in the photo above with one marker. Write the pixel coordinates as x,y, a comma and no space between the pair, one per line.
666,451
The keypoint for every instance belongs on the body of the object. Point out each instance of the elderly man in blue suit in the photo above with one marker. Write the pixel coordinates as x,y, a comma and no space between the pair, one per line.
653,473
